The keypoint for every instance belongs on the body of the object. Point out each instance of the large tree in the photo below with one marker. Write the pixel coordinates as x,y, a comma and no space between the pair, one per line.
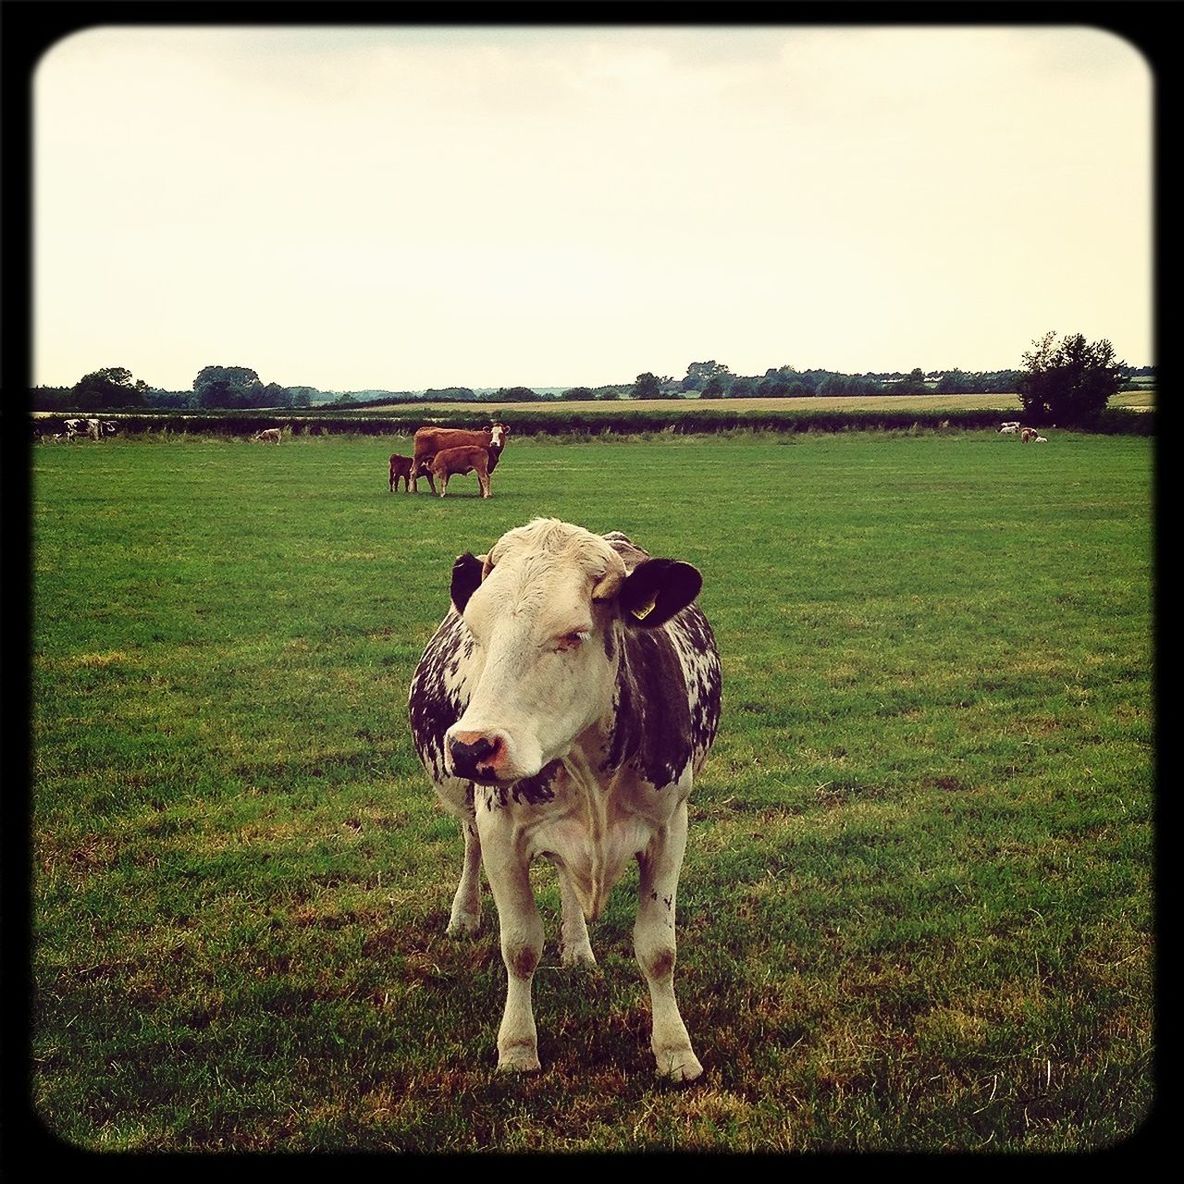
110,387
227,386
647,386
1069,381
699,374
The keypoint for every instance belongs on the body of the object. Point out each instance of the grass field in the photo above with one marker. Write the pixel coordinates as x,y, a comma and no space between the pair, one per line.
916,911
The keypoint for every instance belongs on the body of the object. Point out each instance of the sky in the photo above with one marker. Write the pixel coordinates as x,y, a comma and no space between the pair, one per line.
410,207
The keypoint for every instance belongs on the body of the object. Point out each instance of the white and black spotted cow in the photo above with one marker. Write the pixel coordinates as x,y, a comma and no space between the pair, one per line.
96,429
562,710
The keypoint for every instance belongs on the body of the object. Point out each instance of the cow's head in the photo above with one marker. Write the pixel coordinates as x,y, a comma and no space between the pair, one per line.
544,607
497,436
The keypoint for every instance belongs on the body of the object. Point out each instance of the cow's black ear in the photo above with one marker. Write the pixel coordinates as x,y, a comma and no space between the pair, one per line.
656,589
466,578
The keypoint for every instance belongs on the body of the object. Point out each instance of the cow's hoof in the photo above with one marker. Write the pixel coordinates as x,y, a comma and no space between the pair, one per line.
519,1059
679,1065
579,956
464,925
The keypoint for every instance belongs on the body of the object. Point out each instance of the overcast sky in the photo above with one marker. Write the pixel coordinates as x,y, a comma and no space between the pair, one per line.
401,208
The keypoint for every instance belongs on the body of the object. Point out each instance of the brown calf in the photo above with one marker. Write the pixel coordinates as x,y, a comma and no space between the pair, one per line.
1028,434
429,441
454,462
400,469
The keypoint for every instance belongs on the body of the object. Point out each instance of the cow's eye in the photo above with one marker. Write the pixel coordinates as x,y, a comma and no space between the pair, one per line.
570,641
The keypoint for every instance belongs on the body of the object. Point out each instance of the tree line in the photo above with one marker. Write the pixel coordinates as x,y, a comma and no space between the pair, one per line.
1064,380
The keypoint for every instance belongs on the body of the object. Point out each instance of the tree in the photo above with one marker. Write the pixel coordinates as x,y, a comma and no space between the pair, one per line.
954,382
772,386
577,393
107,388
912,383
646,386
699,374
1068,382
227,386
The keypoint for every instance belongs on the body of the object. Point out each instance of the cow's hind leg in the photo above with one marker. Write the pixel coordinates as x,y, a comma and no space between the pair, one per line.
466,905
576,949
654,944
521,941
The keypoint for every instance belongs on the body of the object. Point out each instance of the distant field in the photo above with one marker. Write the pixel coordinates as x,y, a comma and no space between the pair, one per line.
862,403
917,908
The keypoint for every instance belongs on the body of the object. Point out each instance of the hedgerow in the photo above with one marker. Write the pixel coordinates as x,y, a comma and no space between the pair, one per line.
627,422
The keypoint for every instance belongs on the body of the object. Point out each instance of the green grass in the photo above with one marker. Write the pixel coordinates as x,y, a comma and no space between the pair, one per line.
916,911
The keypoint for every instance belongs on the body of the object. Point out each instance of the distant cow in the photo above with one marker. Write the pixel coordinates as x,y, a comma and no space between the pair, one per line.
1011,428
562,711
96,429
268,436
430,440
1040,440
455,462
1027,435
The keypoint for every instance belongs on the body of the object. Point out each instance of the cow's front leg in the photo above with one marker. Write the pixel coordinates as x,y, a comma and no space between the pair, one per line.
654,944
466,905
521,937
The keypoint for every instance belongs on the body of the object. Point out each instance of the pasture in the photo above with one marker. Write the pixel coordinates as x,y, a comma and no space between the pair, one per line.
1007,404
916,911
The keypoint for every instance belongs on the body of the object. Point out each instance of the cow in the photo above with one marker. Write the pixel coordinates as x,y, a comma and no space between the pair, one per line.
430,440
1040,440
268,436
562,711
1027,435
455,462
1009,428
96,429
399,469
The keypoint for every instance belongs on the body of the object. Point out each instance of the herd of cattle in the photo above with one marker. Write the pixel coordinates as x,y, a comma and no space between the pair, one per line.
441,453
1011,427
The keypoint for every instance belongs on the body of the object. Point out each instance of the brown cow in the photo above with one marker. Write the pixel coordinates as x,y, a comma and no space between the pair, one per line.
430,440
454,462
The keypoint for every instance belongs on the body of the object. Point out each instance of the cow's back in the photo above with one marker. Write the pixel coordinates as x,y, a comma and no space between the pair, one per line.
429,441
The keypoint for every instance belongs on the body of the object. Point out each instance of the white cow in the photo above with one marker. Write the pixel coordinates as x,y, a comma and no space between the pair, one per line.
96,429
268,436
563,709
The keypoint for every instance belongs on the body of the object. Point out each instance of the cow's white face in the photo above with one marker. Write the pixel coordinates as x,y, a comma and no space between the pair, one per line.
497,436
540,618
